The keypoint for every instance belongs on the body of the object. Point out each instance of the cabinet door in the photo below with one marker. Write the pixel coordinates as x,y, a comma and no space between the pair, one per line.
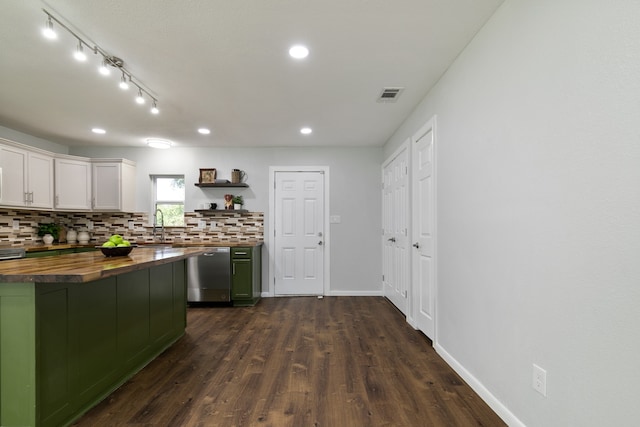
107,186
14,176
40,180
241,280
72,184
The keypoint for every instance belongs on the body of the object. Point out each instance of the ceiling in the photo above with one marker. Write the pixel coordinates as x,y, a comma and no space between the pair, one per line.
224,65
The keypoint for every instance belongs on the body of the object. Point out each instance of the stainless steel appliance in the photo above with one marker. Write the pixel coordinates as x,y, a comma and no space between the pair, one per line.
11,253
209,276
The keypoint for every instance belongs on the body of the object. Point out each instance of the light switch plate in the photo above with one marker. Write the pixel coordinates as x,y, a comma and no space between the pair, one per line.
16,224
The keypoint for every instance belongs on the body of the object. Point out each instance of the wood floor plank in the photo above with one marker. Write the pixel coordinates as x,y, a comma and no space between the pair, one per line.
299,361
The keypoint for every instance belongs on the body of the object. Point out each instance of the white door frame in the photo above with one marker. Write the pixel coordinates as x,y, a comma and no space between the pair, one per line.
269,233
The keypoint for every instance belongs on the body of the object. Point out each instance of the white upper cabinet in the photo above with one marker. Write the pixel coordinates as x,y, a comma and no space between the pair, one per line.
72,183
27,177
113,185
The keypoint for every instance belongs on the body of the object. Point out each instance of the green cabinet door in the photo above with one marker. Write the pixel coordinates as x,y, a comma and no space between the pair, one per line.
241,281
246,278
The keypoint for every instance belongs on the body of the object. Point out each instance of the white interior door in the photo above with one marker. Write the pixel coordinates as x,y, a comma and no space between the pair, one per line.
299,233
423,228
395,216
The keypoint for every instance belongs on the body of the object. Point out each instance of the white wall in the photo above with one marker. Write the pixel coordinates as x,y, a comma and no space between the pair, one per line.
539,209
33,141
355,196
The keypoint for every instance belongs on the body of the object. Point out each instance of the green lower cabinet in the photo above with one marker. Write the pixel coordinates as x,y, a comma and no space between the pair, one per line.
66,346
246,275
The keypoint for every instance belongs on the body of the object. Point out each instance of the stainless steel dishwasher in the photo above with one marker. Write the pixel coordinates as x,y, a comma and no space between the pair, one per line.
209,276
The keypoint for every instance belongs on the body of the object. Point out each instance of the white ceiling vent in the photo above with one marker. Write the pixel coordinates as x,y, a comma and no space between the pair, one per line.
390,94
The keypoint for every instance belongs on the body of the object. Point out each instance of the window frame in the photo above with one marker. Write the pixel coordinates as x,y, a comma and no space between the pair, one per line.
155,201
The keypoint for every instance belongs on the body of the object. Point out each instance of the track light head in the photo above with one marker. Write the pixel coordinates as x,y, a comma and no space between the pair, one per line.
79,53
104,68
124,85
154,109
139,98
48,30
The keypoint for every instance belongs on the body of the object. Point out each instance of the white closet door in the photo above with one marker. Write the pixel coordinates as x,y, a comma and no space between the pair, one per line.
423,228
395,243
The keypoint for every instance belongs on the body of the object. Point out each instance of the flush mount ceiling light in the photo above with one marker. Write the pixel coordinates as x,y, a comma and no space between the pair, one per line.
298,51
306,130
162,144
204,131
99,131
107,62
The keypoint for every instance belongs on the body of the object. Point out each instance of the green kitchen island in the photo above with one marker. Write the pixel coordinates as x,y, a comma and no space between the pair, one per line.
73,328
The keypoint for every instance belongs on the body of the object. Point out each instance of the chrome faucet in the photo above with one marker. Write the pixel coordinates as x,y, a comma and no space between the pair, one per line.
155,224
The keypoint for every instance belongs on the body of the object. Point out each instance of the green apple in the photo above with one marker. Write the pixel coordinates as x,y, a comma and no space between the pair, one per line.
116,238
121,245
125,243
108,244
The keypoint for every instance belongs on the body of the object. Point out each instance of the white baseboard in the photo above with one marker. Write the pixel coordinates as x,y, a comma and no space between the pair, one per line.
497,406
355,294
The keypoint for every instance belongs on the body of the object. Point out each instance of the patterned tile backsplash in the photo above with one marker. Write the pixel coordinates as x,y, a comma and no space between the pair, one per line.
20,227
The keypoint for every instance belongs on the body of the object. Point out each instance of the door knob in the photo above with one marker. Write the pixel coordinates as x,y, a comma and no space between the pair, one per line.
416,245
320,243
393,239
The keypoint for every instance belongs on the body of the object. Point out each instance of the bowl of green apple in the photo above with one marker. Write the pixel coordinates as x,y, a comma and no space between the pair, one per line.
116,246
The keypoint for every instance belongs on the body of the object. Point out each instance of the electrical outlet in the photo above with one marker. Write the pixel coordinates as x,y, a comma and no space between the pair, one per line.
16,224
539,380
213,226
202,224
90,225
131,227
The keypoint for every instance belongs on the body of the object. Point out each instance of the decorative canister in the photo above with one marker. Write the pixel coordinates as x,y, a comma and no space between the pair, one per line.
83,237
47,239
72,236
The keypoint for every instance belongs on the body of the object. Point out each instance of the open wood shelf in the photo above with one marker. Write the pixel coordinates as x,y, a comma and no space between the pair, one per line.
219,211
221,184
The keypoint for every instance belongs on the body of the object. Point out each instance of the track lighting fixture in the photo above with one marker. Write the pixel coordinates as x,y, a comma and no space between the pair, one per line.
107,62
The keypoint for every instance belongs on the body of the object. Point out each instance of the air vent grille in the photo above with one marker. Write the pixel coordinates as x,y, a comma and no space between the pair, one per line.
390,94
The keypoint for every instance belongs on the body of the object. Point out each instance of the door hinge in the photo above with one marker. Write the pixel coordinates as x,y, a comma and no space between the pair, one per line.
406,170
383,277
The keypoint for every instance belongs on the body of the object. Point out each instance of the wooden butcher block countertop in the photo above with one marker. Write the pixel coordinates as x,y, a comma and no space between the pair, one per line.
88,266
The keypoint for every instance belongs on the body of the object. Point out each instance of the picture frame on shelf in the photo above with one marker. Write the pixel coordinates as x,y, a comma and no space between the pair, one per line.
207,176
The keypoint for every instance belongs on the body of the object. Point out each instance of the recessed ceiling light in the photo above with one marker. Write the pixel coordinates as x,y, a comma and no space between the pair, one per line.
99,131
204,131
306,131
158,143
298,51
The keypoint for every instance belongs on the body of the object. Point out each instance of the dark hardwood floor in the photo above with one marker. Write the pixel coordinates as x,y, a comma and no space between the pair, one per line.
300,361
